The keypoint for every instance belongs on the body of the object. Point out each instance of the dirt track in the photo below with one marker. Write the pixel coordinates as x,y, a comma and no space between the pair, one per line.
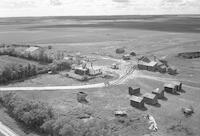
6,131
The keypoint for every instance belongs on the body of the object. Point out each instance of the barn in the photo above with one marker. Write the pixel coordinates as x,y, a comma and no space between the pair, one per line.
170,88
150,98
151,66
134,91
159,92
137,102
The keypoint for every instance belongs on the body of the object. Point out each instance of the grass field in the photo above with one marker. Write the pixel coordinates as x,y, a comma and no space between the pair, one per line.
163,36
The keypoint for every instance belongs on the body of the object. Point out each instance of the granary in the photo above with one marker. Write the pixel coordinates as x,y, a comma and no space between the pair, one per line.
81,71
137,102
178,85
170,88
120,50
150,98
151,66
134,91
126,57
94,71
159,92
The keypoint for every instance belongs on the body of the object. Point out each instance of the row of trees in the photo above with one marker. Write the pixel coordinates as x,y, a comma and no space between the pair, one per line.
16,72
41,56
41,117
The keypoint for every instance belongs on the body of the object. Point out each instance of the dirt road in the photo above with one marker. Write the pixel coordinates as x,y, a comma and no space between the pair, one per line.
6,131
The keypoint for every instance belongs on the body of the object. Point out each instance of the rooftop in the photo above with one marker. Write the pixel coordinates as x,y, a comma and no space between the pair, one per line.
149,95
169,85
157,90
152,63
136,99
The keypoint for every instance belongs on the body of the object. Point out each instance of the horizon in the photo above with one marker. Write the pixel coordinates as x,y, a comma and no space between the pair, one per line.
35,8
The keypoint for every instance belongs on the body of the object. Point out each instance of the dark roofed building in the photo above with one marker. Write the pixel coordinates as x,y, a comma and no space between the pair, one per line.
134,91
150,98
137,102
159,92
170,88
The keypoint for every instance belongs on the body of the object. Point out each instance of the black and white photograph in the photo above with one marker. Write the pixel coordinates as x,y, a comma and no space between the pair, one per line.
99,67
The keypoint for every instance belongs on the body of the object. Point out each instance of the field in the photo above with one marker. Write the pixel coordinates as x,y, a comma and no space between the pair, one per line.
162,36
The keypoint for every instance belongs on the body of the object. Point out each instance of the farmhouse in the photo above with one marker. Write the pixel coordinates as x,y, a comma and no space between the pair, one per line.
150,98
151,66
159,93
170,88
94,71
137,102
134,91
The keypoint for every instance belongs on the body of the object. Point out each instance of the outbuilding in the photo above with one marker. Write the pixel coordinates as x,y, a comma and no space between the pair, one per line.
178,85
170,88
159,92
162,68
150,98
134,91
126,57
137,102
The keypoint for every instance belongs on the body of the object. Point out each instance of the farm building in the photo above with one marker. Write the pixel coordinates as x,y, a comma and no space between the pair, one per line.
151,66
133,53
126,57
120,50
162,68
33,50
81,97
170,88
94,71
134,91
178,85
172,71
81,71
159,93
150,98
137,102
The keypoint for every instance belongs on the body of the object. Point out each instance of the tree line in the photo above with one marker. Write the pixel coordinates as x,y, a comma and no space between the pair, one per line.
41,117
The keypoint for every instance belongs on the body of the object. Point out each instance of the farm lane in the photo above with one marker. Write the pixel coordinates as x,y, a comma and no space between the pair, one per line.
6,131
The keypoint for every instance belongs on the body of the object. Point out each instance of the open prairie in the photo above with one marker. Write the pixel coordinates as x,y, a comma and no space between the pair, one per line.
162,36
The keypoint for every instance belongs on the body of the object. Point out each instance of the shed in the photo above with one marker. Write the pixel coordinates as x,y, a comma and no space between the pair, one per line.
178,85
81,71
170,88
126,57
137,102
159,92
133,53
120,50
81,97
134,91
150,98
162,68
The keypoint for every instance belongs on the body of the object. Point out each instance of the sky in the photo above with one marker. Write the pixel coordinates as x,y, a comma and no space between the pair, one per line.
15,8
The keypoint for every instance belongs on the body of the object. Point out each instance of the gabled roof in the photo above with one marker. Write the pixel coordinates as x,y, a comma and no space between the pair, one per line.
157,90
